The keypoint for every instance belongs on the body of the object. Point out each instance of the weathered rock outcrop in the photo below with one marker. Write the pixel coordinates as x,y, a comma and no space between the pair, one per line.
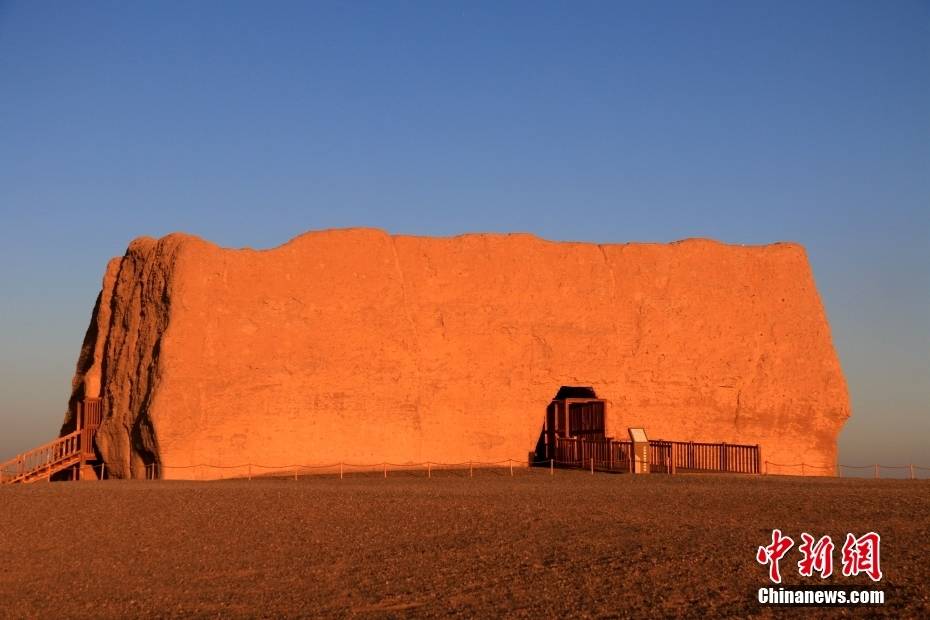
354,345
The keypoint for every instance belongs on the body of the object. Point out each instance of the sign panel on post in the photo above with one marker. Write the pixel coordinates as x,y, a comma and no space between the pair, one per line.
640,451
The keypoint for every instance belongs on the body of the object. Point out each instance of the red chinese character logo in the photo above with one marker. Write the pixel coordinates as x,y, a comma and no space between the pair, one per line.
817,556
773,553
860,555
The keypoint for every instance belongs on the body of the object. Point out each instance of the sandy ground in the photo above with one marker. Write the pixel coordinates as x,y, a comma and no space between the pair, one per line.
532,545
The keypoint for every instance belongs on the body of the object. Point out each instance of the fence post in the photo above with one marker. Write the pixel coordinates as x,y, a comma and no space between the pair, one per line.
103,470
429,469
510,462
912,471
551,467
877,474
250,471
471,470
839,470
385,470
295,473
340,471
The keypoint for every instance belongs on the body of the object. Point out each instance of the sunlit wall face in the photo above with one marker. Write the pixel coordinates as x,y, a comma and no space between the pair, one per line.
247,124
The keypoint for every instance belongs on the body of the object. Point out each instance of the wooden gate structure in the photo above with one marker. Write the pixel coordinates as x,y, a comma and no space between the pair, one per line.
575,412
71,451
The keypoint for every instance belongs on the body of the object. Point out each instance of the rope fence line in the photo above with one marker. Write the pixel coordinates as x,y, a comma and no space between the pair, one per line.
548,466
839,467
247,469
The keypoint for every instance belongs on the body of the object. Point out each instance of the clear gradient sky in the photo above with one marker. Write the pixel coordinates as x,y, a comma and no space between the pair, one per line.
248,123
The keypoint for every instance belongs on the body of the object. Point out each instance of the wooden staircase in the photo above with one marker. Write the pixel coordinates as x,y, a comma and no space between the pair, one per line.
72,450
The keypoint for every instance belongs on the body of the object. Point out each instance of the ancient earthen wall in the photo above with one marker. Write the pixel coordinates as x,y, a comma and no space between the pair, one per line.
354,345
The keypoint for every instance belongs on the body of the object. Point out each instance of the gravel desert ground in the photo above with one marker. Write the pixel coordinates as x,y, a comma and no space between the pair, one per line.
531,545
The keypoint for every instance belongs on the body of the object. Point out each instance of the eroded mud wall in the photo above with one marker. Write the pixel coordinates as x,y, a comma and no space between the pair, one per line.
353,345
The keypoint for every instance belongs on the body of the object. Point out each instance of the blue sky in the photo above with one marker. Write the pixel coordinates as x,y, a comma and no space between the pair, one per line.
248,123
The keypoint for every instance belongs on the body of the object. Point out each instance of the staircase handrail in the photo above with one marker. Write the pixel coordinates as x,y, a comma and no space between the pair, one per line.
41,458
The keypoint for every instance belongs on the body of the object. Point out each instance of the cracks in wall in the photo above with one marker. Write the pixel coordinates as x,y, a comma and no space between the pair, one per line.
613,296
739,395
546,352
139,302
433,274
542,341
106,393
413,330
147,353
638,338
108,338
143,438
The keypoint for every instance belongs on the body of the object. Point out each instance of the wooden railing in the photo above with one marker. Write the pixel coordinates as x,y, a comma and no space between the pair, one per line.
705,457
42,461
664,456
89,419
608,454
60,453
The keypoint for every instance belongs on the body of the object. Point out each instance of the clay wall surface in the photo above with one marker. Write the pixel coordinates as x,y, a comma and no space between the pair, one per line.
358,346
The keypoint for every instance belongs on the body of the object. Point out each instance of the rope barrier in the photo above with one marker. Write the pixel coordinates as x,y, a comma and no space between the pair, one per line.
846,466
154,470
219,466
838,468
366,466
